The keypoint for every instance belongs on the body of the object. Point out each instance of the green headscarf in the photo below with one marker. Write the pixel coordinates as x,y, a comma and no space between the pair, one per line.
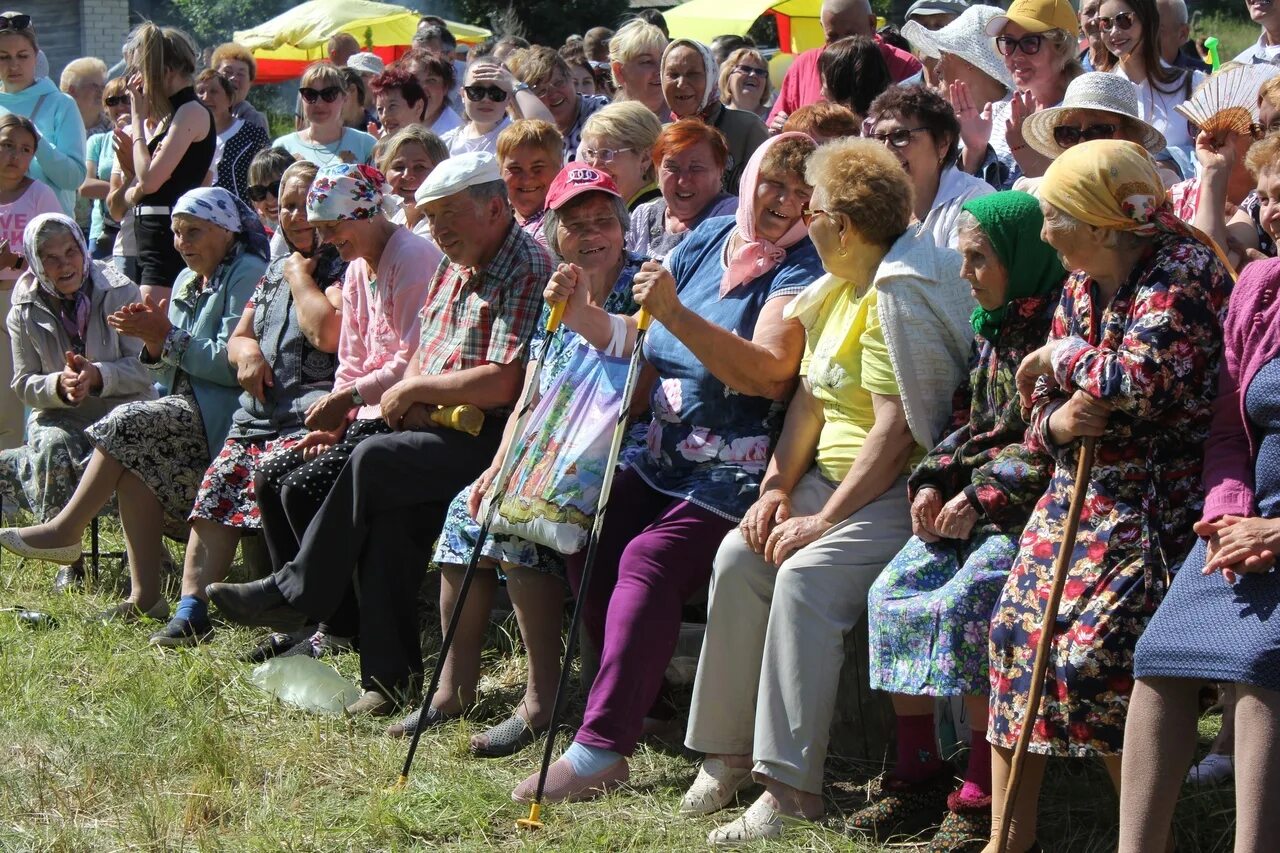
1011,222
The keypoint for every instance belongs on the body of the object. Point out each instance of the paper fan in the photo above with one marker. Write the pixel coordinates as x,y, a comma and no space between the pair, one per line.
1228,101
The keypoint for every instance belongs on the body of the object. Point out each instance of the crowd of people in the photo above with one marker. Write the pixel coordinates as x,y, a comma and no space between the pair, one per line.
892,296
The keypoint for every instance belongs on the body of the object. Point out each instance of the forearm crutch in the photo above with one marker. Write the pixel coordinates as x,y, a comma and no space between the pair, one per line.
496,491
615,448
1084,469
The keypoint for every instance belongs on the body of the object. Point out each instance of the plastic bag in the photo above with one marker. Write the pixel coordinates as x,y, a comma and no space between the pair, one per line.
305,683
551,499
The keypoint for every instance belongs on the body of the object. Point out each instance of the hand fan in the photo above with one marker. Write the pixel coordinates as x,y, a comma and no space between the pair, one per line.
1228,101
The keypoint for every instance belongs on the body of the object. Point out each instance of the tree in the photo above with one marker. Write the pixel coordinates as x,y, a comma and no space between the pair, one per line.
543,21
212,22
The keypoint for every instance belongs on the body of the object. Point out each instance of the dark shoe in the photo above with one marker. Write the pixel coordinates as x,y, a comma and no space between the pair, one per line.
374,704
182,632
409,725
69,578
275,644
319,644
894,802
259,603
967,826
506,738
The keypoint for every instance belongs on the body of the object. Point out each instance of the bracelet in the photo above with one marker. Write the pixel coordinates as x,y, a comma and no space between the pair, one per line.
1017,147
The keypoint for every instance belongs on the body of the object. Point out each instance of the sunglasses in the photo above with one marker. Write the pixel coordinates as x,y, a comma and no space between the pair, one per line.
1256,130
808,214
899,138
751,71
17,21
259,192
1122,21
116,100
328,93
1030,45
475,94
1067,135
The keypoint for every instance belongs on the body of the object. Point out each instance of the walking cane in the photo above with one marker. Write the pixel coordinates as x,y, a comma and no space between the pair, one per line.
602,503
496,490
1084,469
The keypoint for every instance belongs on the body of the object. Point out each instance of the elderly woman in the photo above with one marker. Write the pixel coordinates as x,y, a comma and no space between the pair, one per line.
1132,360
744,82
887,340
529,156
1210,630
325,140
398,100
725,360
581,202
619,140
689,82
151,454
930,608
691,158
239,140
549,76
635,59
70,367
236,63
283,352
919,128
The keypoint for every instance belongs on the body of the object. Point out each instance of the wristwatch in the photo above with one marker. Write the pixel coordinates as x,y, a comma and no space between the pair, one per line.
522,87
356,399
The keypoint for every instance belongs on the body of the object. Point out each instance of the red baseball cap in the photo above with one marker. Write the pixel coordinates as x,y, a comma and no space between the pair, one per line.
576,179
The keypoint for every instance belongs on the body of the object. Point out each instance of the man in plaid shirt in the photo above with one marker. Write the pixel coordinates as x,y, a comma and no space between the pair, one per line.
388,505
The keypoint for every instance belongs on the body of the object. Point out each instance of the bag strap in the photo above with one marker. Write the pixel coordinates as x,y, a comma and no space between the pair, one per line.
36,110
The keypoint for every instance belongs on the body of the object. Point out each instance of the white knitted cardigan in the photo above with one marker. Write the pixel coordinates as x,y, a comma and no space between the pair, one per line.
924,308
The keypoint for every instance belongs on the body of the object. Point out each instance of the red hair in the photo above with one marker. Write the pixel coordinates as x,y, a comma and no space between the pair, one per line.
679,136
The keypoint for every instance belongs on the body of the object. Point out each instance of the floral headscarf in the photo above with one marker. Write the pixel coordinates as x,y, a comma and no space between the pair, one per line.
216,205
756,256
73,309
350,191
711,93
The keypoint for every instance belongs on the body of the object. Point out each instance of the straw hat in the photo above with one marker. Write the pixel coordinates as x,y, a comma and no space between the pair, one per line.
966,38
1096,90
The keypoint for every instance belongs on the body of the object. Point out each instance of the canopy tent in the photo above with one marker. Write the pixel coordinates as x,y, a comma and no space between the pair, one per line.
287,43
798,26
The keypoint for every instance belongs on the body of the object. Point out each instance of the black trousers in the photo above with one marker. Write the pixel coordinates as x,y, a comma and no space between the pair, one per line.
377,526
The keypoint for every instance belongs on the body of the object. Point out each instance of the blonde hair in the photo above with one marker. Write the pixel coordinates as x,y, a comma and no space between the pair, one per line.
235,53
1270,93
156,51
632,39
1263,154
415,134
302,169
534,133
629,122
866,183
324,73
726,68
78,69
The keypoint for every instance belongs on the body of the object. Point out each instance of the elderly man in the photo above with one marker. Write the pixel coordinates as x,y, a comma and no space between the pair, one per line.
1176,48
341,47
1267,47
840,18
84,79
384,512
236,63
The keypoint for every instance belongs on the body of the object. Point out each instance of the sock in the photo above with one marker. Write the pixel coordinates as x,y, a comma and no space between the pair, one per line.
977,778
192,609
917,748
589,760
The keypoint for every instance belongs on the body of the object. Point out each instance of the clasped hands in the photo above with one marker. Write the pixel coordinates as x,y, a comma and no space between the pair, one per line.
1239,545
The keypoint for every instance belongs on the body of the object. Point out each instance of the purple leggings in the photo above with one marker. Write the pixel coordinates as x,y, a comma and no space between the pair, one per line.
654,554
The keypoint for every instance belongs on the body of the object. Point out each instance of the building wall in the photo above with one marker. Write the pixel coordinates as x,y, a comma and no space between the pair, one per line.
104,24
57,25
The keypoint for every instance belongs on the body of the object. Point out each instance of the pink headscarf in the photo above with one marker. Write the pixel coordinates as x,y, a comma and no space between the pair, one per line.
757,256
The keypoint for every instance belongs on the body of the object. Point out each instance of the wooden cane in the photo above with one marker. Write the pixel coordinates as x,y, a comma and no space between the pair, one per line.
1084,469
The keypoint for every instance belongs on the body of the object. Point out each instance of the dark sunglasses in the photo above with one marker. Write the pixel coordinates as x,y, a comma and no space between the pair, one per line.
899,138
116,100
751,71
259,192
1030,45
17,21
1122,21
329,93
479,93
1067,135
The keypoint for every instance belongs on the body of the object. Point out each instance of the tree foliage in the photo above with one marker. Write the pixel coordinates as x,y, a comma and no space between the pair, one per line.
212,22
543,21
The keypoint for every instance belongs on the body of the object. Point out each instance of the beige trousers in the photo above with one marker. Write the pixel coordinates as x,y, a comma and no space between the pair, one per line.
774,647
12,416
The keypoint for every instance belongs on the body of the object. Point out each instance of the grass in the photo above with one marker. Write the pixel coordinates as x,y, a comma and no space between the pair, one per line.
1235,32
108,744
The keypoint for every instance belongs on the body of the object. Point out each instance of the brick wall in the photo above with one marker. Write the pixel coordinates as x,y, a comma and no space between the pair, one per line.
104,24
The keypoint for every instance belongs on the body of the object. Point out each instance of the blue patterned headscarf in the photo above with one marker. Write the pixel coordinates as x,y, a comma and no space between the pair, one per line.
216,205
349,191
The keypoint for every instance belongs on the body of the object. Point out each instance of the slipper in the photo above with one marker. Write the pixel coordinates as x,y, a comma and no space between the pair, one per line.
716,787
565,785
761,822
407,726
507,738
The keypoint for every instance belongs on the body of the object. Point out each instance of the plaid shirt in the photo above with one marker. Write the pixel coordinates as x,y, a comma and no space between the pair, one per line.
487,315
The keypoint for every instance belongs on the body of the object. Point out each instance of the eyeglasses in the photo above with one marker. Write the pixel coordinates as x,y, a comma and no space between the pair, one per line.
479,93
602,155
808,214
1121,21
898,138
116,100
328,93
1256,130
751,71
1030,45
259,192
15,21
1067,135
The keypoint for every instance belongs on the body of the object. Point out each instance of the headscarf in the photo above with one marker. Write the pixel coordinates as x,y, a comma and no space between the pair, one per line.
72,310
1011,222
757,256
711,93
216,205
350,191
1108,183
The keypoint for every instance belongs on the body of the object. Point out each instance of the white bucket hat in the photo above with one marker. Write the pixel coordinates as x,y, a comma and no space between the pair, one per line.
966,37
1096,90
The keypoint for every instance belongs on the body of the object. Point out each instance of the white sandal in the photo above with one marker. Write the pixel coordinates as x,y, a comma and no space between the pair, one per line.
716,787
761,822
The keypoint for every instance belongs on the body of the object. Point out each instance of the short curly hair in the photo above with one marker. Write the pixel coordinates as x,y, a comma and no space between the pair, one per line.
917,103
824,119
1263,154
788,157
866,183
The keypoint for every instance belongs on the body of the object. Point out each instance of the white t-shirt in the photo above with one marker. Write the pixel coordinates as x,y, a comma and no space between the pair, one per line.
461,141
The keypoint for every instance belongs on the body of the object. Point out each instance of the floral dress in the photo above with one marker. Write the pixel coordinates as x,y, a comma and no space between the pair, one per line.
1153,354
930,609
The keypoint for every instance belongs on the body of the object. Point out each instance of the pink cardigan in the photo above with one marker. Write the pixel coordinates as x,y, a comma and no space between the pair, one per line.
1251,340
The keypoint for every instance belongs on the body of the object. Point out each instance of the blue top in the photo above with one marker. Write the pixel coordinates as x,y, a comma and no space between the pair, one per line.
357,142
59,160
1262,401
101,152
708,444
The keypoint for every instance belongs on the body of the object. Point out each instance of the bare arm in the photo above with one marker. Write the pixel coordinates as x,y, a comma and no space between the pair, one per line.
318,317
764,366
879,463
190,124
243,342
94,188
793,455
488,386
117,206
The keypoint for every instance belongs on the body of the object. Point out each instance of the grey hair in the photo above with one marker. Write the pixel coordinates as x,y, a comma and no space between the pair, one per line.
967,223
1115,239
51,228
481,193
551,223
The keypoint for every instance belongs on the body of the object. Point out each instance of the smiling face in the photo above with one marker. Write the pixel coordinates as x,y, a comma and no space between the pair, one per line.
689,180
779,200
408,169
746,90
1264,13
1269,199
1030,69
921,157
202,244
684,81
627,167
238,73
293,214
395,112
17,62
462,226
559,96
17,149
528,172
214,97
641,80
590,234
982,267
63,261
1119,41
351,237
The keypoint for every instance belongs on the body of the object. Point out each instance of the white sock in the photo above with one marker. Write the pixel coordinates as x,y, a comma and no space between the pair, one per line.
589,760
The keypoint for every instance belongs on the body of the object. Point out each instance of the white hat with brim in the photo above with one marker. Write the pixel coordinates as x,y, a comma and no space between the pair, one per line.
457,174
367,63
965,37
1096,90
936,7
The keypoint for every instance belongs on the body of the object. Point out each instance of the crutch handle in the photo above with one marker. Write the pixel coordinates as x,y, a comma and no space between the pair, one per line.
644,319
557,315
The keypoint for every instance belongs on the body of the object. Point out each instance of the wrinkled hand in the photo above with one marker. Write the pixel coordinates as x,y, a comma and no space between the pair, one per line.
79,378
1216,152
792,535
396,402
924,514
300,271
418,417
317,442
1037,363
329,412
1080,416
567,285
1021,106
255,375
771,509
1242,545
654,289
975,123
479,489
147,320
780,119
957,518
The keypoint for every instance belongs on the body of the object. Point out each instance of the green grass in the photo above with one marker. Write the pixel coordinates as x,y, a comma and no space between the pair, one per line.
1235,32
107,744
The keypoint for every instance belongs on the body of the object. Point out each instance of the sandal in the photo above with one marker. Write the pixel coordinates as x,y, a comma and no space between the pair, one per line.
716,786
894,801
409,725
506,738
761,822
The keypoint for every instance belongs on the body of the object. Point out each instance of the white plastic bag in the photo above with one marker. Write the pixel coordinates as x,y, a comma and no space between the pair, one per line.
305,683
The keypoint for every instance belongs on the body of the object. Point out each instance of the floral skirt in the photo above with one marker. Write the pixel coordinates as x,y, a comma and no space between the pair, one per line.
43,473
930,615
226,493
459,538
162,442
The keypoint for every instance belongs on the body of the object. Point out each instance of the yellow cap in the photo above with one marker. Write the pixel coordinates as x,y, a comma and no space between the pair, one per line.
1037,16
